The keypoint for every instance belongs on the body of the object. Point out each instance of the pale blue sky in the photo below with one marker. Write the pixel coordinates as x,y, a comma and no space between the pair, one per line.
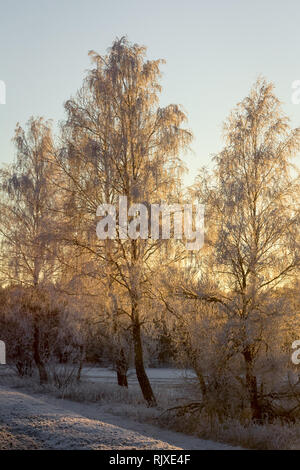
214,50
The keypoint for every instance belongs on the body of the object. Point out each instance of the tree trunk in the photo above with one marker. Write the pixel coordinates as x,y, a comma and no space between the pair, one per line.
122,379
122,367
139,361
36,354
79,370
251,384
201,382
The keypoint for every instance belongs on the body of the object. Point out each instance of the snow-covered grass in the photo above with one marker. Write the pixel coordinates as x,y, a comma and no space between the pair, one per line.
51,426
172,387
269,436
101,387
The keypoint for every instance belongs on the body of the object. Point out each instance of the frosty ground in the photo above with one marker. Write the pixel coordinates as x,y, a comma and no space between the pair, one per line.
98,414
44,422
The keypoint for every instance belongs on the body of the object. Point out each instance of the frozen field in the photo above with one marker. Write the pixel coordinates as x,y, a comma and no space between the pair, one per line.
162,376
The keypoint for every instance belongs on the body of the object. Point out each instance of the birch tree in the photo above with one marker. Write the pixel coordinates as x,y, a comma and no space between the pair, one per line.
119,142
27,221
252,202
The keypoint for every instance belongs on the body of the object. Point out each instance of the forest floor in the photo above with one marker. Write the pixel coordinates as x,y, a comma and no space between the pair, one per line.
45,422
